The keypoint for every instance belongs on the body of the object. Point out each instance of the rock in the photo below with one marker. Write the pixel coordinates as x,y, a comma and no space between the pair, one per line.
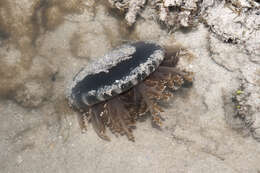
132,8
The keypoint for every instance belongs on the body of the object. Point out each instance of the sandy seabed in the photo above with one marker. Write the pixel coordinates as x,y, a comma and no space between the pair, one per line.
43,45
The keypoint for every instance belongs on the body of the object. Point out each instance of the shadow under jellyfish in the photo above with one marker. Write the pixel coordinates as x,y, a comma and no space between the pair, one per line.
120,87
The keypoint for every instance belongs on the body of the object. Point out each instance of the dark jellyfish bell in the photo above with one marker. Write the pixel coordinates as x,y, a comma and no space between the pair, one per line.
114,73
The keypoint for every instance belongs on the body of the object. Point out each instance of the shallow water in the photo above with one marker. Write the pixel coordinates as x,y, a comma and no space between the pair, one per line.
40,52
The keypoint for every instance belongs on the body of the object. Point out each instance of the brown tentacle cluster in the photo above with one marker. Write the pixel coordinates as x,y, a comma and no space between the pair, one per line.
120,113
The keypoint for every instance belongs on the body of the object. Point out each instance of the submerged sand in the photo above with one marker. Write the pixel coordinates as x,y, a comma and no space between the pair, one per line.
203,131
